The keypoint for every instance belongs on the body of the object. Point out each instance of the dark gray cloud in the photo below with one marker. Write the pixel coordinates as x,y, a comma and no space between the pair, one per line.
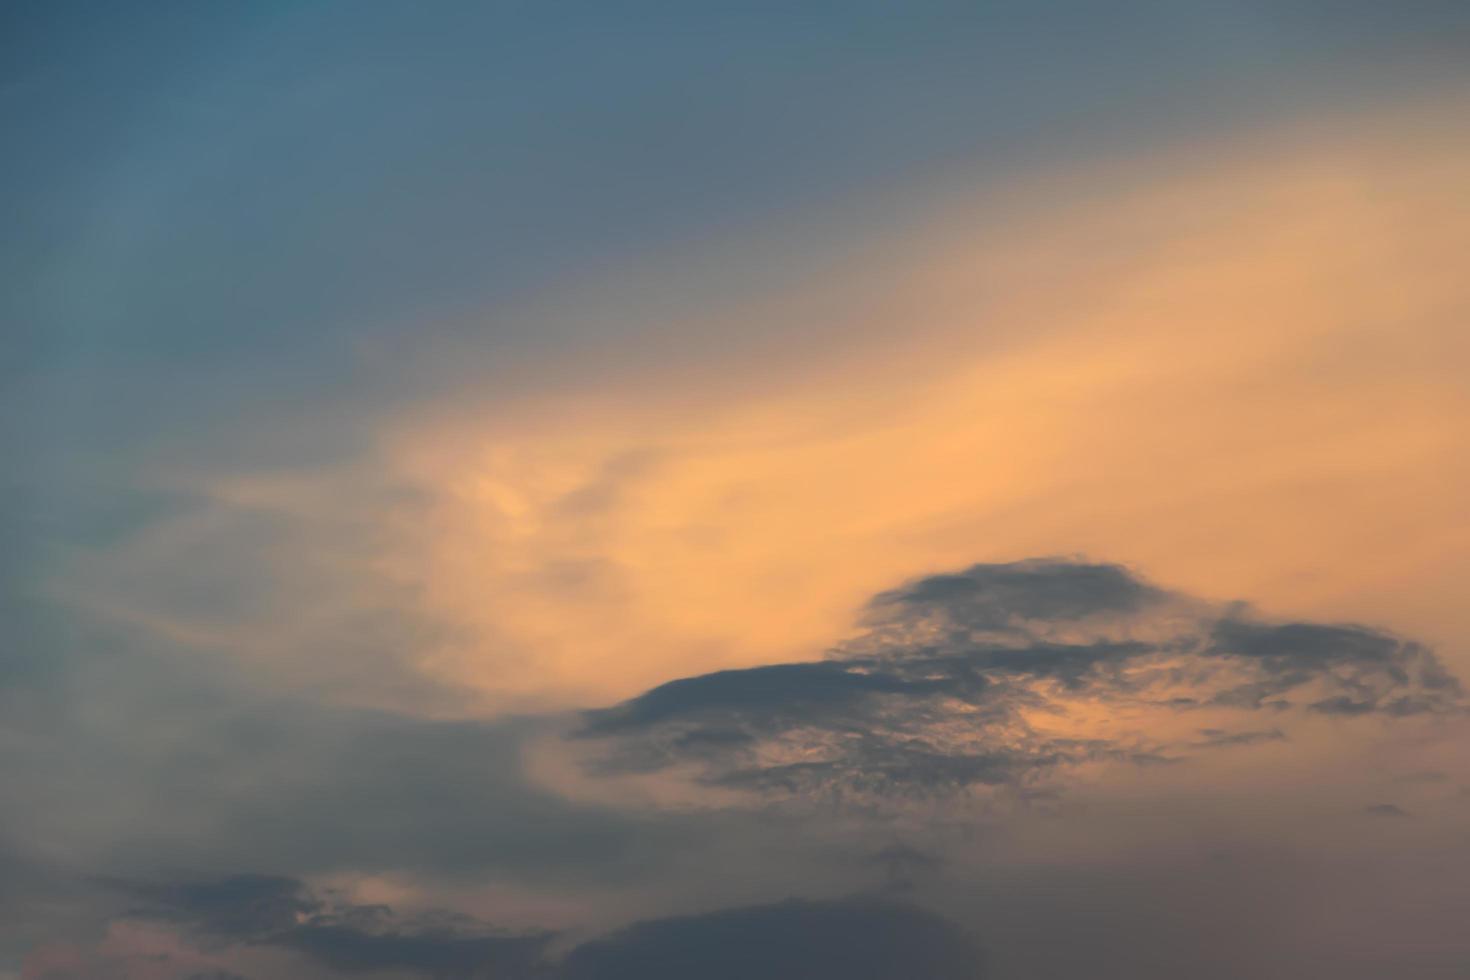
240,907
1215,738
1368,670
273,910
1004,597
1385,810
944,688
850,939
854,939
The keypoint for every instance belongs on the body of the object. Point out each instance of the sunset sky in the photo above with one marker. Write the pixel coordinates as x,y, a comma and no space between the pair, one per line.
803,491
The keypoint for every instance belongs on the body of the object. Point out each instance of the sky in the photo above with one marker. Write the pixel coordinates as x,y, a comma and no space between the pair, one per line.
632,491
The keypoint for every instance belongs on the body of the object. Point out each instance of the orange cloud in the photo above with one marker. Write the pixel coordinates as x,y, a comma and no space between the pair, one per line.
1244,377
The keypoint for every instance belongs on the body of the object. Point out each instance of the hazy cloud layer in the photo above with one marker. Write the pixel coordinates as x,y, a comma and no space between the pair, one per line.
999,678
140,756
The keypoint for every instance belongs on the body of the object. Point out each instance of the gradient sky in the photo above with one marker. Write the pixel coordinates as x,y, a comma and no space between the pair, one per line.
841,491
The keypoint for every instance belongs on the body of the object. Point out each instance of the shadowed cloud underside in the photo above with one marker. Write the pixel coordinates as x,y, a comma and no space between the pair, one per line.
979,678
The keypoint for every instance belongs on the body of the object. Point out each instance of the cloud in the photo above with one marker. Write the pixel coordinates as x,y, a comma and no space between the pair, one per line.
271,910
851,939
986,677
1369,670
1385,810
146,758
388,530
975,380
997,679
1214,738
1017,596
903,866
